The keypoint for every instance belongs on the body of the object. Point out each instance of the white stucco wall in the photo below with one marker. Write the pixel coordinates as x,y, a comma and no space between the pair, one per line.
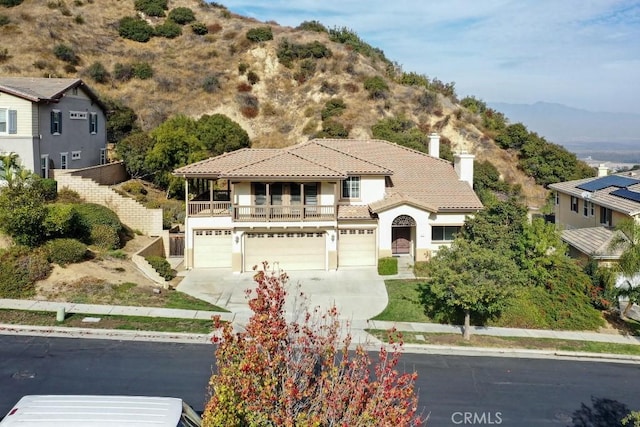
423,233
327,194
22,142
371,189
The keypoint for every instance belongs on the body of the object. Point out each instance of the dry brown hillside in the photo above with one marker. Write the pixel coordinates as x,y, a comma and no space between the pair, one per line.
288,111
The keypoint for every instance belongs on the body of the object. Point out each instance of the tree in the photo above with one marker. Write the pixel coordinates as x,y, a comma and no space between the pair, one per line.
219,134
468,279
133,151
22,212
629,262
301,373
401,131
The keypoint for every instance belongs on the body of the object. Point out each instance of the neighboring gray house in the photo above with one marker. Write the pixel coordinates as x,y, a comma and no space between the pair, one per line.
52,123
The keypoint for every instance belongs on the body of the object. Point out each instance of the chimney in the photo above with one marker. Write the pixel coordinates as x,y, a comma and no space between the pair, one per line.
463,165
434,144
602,170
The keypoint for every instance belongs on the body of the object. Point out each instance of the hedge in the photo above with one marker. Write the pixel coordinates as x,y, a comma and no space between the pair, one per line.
20,268
162,266
65,251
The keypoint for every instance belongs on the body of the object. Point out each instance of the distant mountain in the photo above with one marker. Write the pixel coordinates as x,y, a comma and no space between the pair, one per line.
563,125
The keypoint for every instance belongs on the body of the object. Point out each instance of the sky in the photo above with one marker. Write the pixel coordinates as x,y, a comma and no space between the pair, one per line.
580,53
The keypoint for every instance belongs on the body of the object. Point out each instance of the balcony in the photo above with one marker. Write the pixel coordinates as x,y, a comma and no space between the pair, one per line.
267,213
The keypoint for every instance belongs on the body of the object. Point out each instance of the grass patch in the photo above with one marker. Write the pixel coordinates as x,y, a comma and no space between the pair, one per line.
96,291
136,323
512,342
387,266
404,302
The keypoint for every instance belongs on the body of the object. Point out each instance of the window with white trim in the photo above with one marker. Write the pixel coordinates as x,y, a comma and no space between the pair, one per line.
78,115
64,160
8,121
93,123
574,204
56,122
606,216
75,155
44,166
351,188
588,209
444,233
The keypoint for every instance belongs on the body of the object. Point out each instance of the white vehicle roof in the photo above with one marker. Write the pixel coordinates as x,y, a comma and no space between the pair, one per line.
94,411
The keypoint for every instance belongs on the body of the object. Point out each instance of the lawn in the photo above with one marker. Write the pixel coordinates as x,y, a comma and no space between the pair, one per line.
137,323
404,302
511,342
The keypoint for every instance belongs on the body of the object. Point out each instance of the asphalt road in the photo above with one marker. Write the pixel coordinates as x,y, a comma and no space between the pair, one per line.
455,390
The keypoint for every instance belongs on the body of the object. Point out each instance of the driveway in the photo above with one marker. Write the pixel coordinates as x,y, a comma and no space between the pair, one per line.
359,294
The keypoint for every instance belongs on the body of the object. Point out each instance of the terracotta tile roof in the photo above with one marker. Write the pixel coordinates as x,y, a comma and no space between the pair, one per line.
593,241
283,165
429,180
416,178
214,166
38,89
344,162
601,197
353,212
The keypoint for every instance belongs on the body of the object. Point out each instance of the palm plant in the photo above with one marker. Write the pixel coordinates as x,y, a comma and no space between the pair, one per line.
629,262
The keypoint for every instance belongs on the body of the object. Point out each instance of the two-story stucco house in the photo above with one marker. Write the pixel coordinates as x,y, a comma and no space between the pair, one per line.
324,204
52,123
588,210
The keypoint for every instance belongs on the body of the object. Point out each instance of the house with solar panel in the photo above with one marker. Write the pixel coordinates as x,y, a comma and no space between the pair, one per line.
324,204
588,210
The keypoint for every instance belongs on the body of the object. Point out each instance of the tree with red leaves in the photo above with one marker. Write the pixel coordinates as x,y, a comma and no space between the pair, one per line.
300,372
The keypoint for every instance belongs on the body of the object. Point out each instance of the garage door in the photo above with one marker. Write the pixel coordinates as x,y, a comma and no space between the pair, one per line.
357,248
212,249
292,251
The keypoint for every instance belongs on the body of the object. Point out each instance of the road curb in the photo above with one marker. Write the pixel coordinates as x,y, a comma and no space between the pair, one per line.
187,338
106,334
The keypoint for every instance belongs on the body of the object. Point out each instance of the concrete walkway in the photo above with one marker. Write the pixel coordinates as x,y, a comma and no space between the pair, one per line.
357,326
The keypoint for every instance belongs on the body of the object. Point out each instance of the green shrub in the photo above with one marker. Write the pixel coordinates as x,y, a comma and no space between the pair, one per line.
333,129
387,266
181,15
61,220
260,34
90,216
288,52
199,28
65,251
376,86
333,107
98,72
122,72
312,26
135,29
4,20
134,187
168,29
78,19
10,3
243,67
211,84
252,77
105,237
65,53
162,266
47,187
151,7
20,268
66,195
142,70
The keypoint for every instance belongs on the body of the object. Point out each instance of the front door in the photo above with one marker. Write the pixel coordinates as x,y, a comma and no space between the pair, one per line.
401,240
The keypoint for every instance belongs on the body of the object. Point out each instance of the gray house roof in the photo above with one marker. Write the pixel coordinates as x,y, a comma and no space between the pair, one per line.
593,241
42,89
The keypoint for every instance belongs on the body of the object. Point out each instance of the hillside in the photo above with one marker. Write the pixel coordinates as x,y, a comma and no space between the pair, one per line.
206,74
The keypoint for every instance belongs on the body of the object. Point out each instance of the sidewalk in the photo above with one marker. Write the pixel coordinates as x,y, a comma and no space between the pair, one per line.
358,327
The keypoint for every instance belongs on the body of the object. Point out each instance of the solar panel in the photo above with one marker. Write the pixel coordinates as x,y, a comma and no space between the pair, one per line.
608,181
627,194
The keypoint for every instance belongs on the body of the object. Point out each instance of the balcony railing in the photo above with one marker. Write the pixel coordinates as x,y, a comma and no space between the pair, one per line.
263,212
210,208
